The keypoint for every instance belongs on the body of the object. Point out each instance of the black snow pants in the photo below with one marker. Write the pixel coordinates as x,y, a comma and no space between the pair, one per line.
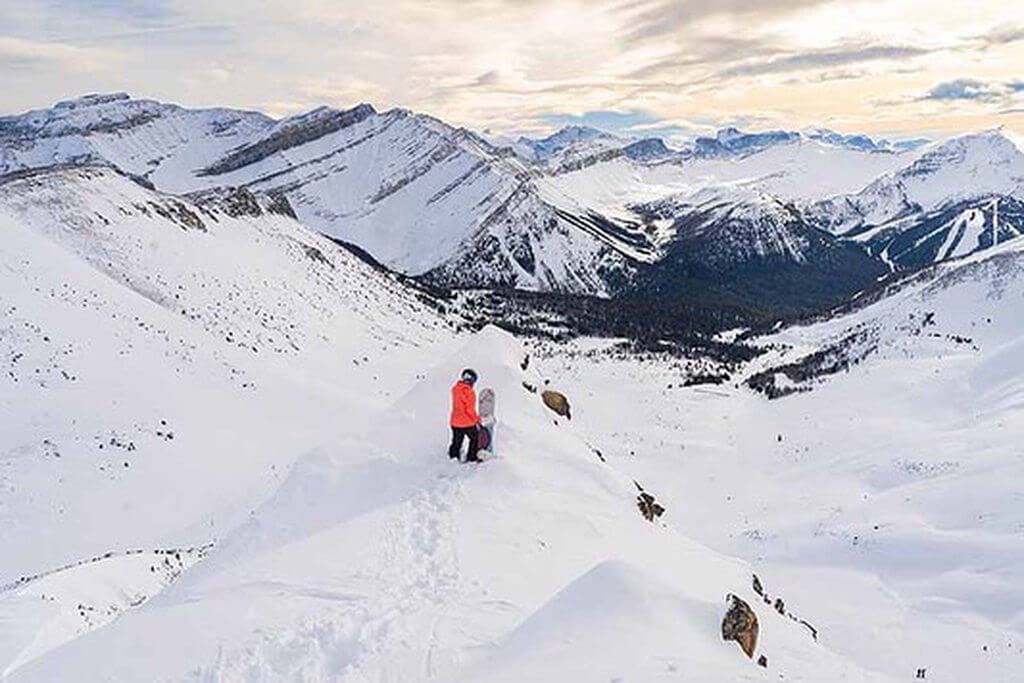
459,433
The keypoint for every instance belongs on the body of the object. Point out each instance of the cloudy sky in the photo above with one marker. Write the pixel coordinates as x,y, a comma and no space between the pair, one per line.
672,67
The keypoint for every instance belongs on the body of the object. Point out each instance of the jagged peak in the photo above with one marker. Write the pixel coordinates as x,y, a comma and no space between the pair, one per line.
996,134
728,133
574,133
361,111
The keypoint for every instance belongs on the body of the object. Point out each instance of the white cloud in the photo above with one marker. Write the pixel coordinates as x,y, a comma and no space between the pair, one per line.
19,52
511,64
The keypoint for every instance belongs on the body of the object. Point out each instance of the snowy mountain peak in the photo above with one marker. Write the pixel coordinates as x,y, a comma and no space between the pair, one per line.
92,100
574,133
567,138
732,140
854,141
290,132
647,149
360,111
937,205
969,165
729,133
139,136
993,141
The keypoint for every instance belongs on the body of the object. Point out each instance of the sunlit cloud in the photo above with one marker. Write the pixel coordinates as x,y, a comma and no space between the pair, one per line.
962,89
29,54
824,59
531,65
1002,35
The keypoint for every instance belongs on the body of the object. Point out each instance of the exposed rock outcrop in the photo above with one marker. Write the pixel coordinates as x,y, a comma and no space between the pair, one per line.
289,133
649,506
242,201
780,606
740,624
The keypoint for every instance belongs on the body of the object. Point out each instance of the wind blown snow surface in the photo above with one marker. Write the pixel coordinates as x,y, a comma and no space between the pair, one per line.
223,458
882,498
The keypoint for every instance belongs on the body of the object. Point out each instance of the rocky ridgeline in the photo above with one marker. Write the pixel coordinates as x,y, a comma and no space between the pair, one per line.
240,201
290,133
797,376
741,624
69,117
169,561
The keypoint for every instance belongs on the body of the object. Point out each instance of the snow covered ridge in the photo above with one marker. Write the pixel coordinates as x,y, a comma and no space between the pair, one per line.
363,561
289,133
882,478
87,595
179,369
220,373
569,213
920,213
948,306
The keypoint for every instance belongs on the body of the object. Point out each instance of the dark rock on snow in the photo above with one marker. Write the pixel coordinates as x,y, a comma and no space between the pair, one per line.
740,624
556,402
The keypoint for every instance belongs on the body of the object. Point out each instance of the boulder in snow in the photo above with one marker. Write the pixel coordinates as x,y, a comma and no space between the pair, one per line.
556,402
740,624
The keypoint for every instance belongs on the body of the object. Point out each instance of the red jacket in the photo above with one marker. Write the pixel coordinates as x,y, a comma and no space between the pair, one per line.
464,405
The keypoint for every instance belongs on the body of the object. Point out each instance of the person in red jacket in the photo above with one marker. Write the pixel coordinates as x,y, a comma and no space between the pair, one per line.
464,420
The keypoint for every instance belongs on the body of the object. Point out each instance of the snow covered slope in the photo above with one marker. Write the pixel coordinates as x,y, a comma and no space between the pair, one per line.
799,171
935,199
417,194
580,211
223,459
383,561
880,496
956,229
162,142
164,362
146,337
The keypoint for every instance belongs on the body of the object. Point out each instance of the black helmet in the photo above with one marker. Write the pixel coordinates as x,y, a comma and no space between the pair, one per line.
469,375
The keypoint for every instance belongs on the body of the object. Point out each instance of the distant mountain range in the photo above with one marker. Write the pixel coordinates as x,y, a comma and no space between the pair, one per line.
779,221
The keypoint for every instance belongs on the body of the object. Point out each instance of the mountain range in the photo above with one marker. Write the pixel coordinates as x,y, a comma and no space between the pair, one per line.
226,349
777,221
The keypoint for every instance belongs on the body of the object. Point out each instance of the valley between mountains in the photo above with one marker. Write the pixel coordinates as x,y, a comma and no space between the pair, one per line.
794,361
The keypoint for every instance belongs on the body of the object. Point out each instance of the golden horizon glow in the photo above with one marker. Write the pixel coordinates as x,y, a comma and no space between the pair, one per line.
669,67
